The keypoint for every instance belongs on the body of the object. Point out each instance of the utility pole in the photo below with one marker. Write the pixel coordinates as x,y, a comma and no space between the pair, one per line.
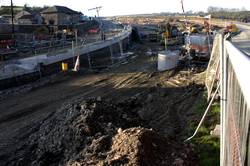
12,18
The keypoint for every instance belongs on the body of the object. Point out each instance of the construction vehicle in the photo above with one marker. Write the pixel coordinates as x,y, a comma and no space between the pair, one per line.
231,28
245,20
169,34
199,41
200,45
195,28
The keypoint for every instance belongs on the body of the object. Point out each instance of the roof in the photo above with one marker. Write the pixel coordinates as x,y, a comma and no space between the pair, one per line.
22,13
59,9
26,17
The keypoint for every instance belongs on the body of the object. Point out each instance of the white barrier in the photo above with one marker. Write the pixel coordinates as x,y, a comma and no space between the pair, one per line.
235,106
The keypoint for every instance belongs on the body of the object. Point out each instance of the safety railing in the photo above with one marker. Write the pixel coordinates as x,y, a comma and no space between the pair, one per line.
235,106
18,67
30,45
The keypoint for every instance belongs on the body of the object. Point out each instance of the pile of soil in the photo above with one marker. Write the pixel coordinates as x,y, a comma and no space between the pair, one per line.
139,146
95,132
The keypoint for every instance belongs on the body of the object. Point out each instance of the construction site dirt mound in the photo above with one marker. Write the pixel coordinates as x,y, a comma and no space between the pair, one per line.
80,130
97,132
139,146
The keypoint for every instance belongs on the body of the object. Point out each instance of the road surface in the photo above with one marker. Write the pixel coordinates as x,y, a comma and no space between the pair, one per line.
242,41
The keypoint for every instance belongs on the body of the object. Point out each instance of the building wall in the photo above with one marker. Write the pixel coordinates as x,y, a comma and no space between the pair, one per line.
75,18
64,19
5,28
25,21
51,16
61,18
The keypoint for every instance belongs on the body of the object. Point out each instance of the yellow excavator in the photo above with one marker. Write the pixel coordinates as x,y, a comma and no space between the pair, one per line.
169,34
231,28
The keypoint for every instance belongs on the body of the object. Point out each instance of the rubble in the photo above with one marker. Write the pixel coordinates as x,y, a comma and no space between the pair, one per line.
95,132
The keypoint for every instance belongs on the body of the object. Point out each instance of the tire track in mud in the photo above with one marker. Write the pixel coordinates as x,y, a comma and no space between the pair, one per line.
100,87
56,100
132,79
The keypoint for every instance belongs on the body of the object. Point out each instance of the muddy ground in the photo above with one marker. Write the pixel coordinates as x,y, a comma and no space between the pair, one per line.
128,115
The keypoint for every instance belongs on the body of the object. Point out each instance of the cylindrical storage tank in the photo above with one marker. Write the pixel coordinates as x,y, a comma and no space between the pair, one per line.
167,60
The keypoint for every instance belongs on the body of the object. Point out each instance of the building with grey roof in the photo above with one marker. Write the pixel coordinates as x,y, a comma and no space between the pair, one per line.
60,15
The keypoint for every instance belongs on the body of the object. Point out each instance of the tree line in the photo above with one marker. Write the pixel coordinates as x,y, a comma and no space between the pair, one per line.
6,10
234,14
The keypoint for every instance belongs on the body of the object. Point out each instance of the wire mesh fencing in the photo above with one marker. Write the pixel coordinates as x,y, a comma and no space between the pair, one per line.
213,66
235,108
229,67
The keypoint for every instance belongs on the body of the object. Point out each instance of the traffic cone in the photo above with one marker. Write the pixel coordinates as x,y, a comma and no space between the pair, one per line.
77,64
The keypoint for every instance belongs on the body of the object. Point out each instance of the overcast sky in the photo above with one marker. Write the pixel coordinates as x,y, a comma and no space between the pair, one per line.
121,7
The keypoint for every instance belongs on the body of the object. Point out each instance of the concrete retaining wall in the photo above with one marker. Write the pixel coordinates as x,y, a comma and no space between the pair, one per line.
19,80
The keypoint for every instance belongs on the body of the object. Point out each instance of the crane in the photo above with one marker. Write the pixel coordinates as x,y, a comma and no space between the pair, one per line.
183,10
97,11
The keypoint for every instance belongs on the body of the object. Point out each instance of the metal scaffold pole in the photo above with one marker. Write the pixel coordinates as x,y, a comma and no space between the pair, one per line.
12,19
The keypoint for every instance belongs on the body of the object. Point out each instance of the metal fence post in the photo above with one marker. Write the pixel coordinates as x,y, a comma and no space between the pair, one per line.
224,81
221,102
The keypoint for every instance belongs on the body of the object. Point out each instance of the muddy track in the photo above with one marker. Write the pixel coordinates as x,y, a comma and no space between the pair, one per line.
101,87
167,99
